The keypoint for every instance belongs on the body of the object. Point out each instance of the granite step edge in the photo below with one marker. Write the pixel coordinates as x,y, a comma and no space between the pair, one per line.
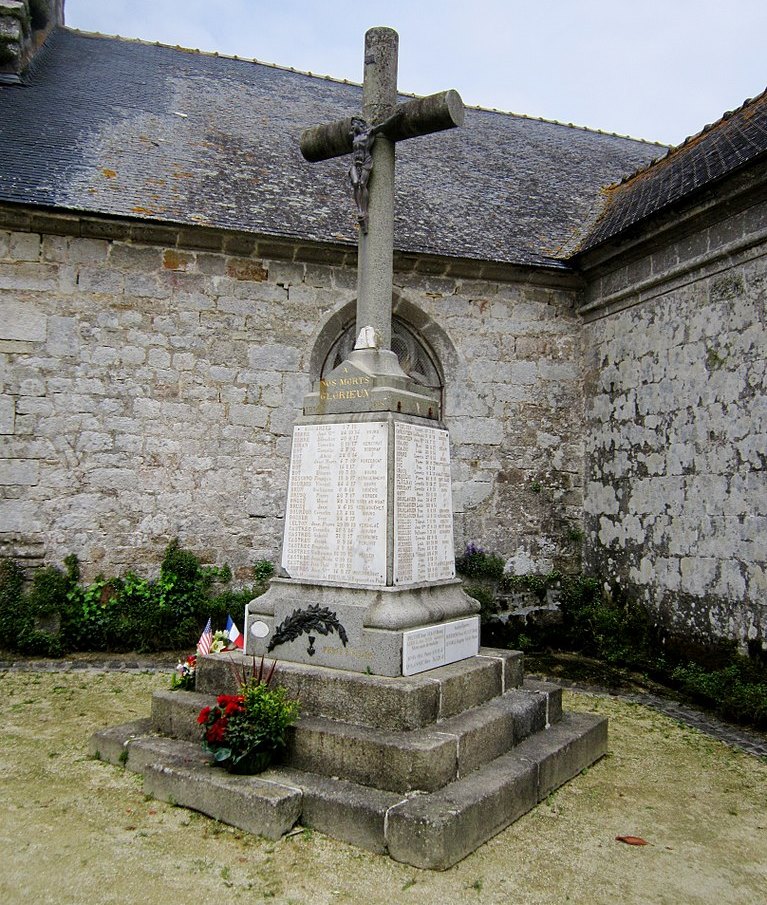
431,831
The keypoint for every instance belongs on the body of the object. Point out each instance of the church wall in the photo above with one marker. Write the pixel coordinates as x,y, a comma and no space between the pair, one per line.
149,390
676,498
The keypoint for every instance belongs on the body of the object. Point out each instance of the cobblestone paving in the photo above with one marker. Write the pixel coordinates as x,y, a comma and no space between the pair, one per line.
748,740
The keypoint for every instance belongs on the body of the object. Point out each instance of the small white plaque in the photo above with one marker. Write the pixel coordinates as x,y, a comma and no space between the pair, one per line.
259,629
336,515
438,645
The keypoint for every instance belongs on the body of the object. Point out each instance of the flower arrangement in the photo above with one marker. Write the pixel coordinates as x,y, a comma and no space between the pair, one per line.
245,731
221,642
184,675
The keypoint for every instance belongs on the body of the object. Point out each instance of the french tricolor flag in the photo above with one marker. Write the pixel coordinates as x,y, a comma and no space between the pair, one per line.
233,633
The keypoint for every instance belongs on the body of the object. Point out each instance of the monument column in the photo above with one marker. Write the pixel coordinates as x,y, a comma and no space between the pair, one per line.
368,564
376,245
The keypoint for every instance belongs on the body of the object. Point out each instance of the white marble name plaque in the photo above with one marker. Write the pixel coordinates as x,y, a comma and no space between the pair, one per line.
438,645
336,514
423,505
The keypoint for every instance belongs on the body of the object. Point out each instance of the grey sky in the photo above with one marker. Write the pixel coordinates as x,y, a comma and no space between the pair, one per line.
656,69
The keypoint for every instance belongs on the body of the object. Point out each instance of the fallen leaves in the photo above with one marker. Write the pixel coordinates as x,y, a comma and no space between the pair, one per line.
632,840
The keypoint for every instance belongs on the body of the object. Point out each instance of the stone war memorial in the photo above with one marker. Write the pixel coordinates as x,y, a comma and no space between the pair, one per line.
227,320
413,740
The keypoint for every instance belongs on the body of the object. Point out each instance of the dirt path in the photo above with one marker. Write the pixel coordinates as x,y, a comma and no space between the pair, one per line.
74,831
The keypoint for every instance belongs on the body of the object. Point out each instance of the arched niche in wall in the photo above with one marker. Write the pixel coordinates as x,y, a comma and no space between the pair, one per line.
421,346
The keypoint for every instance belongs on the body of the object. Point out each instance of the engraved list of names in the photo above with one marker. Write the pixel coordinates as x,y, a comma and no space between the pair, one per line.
335,520
423,505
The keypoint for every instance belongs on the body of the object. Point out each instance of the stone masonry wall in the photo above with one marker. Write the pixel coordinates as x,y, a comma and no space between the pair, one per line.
676,497
148,392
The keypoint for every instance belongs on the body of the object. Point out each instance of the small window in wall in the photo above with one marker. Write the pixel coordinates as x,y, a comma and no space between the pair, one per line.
415,358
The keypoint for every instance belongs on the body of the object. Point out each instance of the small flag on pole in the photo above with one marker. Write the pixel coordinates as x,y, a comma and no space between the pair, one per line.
233,633
206,639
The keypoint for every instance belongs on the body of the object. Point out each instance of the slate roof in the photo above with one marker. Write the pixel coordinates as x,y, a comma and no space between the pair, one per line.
738,139
118,127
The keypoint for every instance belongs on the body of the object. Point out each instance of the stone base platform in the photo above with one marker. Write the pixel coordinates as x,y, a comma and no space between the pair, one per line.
425,768
363,628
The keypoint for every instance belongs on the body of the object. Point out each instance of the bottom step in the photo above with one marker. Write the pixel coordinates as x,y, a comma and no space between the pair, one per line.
431,831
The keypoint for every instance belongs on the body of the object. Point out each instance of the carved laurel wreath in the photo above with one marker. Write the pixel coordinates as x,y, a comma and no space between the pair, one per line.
312,619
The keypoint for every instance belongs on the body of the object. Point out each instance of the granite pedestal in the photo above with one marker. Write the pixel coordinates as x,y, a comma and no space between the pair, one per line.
423,768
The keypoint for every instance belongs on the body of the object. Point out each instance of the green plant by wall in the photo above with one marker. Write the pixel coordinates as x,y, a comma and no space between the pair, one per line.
477,563
117,613
737,691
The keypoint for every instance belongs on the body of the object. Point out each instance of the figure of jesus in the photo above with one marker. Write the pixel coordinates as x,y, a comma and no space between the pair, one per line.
361,166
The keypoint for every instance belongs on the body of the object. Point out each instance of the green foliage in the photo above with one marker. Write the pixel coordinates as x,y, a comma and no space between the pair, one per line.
737,691
127,613
263,571
269,712
253,722
11,592
486,598
621,632
477,563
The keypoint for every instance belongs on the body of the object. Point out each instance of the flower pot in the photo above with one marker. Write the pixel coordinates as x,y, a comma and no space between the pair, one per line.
252,762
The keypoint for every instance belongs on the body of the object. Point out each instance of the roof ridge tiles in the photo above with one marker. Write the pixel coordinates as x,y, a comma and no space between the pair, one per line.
674,150
341,81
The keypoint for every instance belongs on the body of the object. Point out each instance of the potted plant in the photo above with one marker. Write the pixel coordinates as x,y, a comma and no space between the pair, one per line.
244,732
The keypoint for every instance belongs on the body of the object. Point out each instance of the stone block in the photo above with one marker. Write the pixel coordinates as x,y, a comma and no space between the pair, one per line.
274,357
21,321
24,246
7,414
569,746
112,744
249,415
341,809
174,713
21,472
63,338
87,251
551,694
135,258
101,281
489,731
467,683
435,831
246,802
422,760
147,748
375,701
19,516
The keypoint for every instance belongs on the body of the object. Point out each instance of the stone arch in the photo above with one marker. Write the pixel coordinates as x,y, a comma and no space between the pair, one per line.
424,349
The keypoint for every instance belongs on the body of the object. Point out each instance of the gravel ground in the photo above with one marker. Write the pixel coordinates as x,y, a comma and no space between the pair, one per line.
75,831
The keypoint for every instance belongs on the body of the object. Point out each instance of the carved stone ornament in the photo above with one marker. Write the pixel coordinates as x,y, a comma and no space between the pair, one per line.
312,619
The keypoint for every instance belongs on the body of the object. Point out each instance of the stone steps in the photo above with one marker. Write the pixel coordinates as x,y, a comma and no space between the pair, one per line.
432,830
382,702
422,759
424,768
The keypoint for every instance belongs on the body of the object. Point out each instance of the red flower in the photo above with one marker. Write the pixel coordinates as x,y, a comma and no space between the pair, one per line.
217,731
204,714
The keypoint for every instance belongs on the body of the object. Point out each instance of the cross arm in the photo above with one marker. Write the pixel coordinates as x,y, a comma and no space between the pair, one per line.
421,116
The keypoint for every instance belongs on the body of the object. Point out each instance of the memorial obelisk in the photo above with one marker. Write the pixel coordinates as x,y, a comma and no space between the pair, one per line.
368,561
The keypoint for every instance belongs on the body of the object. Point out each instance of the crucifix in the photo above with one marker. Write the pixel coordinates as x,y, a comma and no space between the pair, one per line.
368,556
370,139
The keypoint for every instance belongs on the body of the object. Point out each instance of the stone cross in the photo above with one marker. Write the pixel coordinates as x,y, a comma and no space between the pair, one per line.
373,135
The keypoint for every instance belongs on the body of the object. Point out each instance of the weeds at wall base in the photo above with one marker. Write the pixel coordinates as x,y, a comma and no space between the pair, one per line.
619,632
56,614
